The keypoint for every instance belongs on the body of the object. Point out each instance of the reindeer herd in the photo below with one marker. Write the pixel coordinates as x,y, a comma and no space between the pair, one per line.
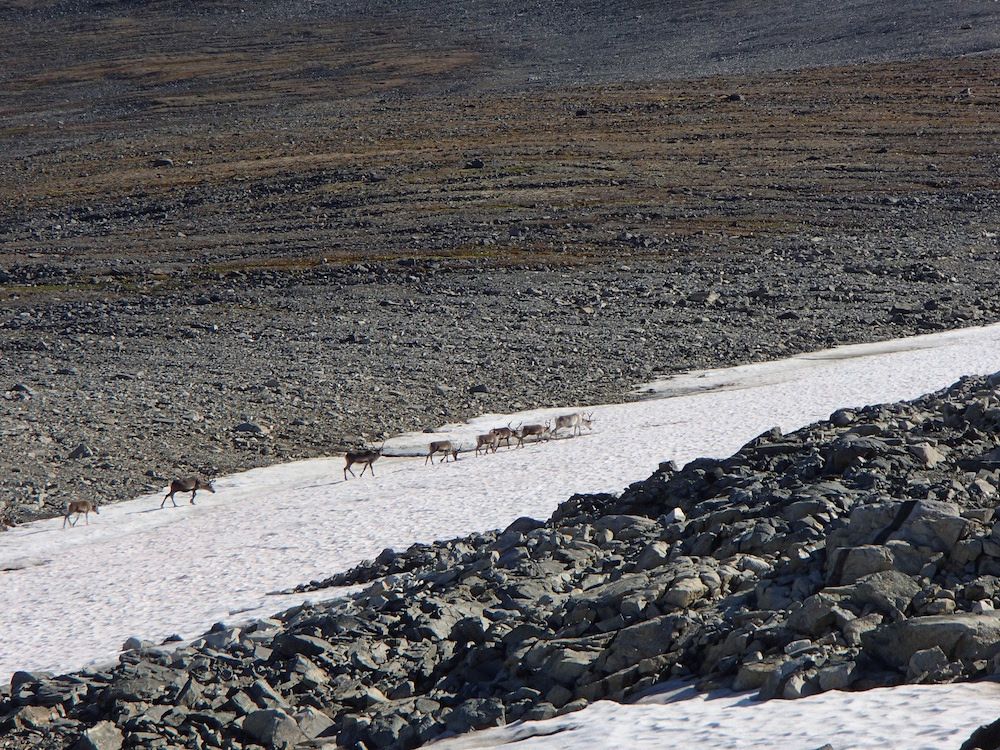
485,443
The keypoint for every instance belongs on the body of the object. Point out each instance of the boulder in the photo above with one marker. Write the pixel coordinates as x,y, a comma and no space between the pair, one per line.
684,592
312,723
102,736
926,661
888,591
927,454
818,614
861,561
641,641
653,555
986,737
933,524
959,636
273,728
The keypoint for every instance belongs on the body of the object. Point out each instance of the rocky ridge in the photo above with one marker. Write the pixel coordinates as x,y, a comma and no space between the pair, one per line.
858,552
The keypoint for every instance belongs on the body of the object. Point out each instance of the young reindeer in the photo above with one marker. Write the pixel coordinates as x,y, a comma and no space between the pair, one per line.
188,484
441,446
487,441
366,457
78,507
539,432
574,421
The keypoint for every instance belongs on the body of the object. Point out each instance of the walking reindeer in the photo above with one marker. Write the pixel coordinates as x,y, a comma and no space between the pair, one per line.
366,457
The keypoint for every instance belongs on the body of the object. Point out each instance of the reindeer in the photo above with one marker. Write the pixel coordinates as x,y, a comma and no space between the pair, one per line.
503,434
487,441
189,484
540,432
574,421
441,446
78,507
366,457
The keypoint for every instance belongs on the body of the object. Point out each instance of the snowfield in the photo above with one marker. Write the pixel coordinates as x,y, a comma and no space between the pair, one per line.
921,717
70,597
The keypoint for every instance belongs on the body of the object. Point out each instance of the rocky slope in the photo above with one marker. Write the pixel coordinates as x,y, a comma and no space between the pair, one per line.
857,552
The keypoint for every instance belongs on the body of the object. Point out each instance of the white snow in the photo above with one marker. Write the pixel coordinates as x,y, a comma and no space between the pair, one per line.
70,597
924,717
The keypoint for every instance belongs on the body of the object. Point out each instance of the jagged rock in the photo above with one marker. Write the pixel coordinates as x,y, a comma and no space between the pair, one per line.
312,723
477,713
888,591
566,665
818,614
861,561
29,717
923,523
273,728
959,636
986,737
837,677
927,454
754,675
684,592
102,736
642,641
928,660
653,555
82,451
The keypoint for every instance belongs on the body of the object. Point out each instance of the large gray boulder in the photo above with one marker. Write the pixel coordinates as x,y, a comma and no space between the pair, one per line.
960,636
888,591
933,524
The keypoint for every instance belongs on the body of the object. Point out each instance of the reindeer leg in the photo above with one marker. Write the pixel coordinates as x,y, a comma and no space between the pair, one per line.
366,466
65,519
164,500
193,493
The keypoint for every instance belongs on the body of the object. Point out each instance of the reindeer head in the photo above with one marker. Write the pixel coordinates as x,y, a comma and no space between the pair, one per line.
587,420
95,508
208,486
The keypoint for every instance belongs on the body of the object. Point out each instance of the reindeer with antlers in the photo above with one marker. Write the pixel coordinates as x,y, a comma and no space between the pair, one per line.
537,431
504,434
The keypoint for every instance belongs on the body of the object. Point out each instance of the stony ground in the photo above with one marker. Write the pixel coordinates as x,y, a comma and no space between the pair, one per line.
363,267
